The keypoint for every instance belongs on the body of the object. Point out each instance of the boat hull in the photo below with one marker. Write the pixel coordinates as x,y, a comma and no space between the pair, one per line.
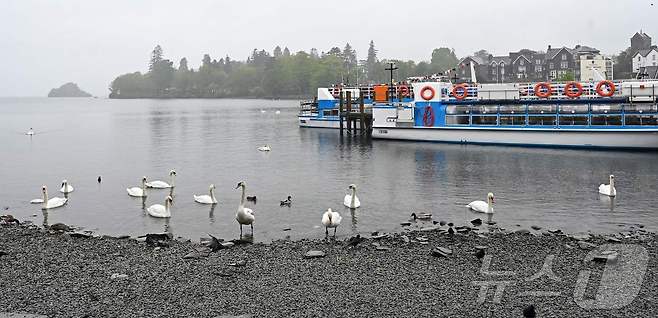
314,122
573,138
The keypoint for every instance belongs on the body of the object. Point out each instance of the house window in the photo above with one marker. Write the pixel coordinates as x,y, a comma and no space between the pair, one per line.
553,74
564,57
521,69
654,57
538,68
494,70
521,62
564,65
537,61
551,65
638,58
502,68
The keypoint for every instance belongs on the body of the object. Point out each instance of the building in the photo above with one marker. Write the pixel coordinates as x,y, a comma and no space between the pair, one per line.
594,67
640,41
644,58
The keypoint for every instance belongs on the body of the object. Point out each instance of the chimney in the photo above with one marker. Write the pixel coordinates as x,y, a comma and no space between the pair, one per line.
549,46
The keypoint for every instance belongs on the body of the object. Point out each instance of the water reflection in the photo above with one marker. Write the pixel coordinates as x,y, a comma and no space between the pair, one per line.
211,214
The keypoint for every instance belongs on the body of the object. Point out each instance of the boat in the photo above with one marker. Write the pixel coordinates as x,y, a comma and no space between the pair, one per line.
600,114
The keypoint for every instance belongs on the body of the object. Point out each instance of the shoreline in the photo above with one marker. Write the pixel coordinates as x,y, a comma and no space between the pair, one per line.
398,274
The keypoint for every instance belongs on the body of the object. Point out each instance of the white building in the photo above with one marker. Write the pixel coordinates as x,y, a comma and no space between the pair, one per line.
595,67
644,58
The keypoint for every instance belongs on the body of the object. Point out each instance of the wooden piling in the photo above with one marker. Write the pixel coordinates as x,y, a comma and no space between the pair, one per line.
348,97
341,116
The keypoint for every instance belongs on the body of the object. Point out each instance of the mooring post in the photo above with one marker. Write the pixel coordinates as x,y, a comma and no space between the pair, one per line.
362,110
340,113
348,97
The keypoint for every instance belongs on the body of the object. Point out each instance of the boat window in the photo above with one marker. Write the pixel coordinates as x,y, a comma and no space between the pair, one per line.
574,109
512,120
484,109
512,109
606,108
455,109
606,120
330,112
641,120
456,120
542,109
574,120
640,108
485,120
541,120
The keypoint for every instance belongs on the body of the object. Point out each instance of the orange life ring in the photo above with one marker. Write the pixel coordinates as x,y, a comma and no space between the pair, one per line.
546,86
611,88
404,90
425,89
464,91
568,89
428,116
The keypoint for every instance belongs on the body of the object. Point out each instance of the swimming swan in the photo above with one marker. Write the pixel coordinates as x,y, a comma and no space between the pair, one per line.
159,210
481,206
66,187
244,215
608,189
351,200
161,184
49,203
137,191
331,219
207,199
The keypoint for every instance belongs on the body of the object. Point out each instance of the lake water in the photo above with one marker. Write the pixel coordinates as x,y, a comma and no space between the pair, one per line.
215,141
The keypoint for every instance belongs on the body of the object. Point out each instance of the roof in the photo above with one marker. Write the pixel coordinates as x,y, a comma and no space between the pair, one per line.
501,59
476,59
551,53
585,49
642,35
645,52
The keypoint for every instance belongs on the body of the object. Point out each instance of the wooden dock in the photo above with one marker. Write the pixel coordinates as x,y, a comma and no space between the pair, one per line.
354,123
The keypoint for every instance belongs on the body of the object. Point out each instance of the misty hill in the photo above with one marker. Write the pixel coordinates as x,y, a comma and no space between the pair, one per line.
68,90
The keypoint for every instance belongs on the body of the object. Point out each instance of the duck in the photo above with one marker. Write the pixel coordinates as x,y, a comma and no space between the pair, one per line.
207,199
351,200
244,216
265,148
51,203
252,198
421,216
481,206
30,132
99,179
287,202
331,219
137,191
159,210
161,184
66,187
609,189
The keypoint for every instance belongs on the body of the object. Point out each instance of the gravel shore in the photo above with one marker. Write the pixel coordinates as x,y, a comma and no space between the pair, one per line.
393,275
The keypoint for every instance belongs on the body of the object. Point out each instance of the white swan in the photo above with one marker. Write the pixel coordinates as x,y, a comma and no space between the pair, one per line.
351,200
265,148
331,219
159,210
66,187
207,199
30,132
481,206
137,191
49,203
608,189
157,184
244,215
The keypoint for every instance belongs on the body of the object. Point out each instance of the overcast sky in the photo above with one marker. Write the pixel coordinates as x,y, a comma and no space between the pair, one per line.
46,43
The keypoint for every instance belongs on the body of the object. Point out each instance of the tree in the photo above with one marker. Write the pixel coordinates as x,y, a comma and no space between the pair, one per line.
483,54
349,55
156,56
372,63
623,64
286,52
277,52
314,53
443,59
182,65
566,77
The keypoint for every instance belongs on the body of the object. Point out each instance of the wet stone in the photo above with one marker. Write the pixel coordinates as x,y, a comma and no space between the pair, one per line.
535,227
606,257
441,252
405,223
239,263
555,231
523,231
381,236
586,245
118,276
3,253
60,227
582,236
383,248
314,254
476,222
405,238
613,239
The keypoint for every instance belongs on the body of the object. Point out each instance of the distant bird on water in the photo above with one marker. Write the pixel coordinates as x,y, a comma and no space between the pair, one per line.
30,132
99,179
287,202
265,148
608,189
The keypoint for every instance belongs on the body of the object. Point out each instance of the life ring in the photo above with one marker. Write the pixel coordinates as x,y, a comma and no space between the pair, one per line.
546,86
428,116
609,84
336,92
404,90
568,89
464,91
426,89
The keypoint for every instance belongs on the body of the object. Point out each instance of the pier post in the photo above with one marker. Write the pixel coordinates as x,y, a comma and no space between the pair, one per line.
341,116
362,112
348,97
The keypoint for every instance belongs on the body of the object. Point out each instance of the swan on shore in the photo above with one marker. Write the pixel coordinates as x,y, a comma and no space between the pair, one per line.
51,203
331,219
351,200
159,210
265,148
137,191
66,187
244,216
608,189
207,199
481,206
158,184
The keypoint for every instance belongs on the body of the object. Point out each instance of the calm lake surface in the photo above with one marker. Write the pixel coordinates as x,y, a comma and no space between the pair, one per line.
215,141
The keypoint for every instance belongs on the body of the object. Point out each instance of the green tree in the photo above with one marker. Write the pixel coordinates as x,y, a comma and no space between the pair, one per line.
566,77
443,59
372,63
156,56
277,52
182,65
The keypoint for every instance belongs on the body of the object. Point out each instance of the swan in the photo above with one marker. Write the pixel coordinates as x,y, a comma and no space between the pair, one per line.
331,219
244,215
137,191
421,216
277,112
608,189
159,210
287,201
66,187
30,132
49,203
207,199
161,184
481,206
351,200
265,148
